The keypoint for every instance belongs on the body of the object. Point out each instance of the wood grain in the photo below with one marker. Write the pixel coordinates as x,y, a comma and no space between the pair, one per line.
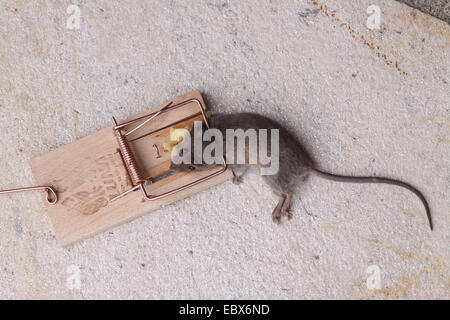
89,172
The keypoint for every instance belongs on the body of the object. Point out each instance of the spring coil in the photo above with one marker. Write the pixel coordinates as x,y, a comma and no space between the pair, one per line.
130,159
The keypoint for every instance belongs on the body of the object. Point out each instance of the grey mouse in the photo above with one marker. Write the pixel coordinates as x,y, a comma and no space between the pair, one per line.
295,164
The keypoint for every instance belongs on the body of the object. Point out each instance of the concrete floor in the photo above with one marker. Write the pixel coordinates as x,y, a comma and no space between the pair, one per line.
437,8
373,102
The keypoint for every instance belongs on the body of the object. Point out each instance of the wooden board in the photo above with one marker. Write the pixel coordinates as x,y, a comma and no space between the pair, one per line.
89,172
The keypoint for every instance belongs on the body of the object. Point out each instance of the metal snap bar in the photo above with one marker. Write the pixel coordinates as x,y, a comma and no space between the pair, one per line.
52,196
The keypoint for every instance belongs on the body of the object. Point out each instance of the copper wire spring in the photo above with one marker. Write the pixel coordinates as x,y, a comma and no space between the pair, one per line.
130,159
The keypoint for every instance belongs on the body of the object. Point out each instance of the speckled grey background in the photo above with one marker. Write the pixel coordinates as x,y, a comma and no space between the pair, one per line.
363,101
437,8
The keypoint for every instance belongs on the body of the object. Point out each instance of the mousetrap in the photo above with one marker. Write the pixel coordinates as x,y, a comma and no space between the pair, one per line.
120,173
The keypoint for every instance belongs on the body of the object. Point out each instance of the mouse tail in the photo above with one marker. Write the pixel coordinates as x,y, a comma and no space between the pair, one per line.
356,179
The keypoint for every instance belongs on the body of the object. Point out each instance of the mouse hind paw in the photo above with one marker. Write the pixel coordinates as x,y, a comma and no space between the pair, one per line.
283,208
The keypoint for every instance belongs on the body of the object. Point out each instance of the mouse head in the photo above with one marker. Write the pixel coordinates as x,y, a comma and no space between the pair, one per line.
183,154
188,165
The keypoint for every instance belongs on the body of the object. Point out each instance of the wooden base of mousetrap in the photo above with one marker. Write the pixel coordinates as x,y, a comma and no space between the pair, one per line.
90,171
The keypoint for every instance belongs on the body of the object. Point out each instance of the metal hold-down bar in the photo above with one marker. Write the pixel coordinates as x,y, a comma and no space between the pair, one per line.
130,159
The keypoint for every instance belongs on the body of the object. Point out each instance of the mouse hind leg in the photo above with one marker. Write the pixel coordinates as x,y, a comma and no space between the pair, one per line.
283,207
281,185
287,205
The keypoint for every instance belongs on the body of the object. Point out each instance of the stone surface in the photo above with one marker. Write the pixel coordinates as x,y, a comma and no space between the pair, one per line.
363,101
438,8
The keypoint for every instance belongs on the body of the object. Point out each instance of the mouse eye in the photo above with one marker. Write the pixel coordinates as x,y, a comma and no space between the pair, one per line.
192,168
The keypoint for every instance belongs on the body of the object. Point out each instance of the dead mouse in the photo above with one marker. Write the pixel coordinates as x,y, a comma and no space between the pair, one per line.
294,163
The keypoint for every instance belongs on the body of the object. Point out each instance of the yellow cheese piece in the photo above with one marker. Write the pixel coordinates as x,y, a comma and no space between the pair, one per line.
176,135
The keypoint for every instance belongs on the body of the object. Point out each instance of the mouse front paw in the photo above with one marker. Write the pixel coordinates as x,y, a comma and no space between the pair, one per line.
237,180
